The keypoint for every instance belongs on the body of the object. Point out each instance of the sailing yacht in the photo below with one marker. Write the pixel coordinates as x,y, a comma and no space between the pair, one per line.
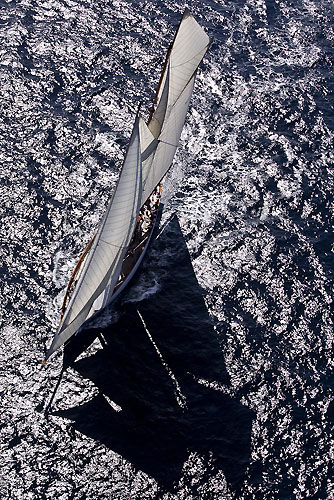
114,254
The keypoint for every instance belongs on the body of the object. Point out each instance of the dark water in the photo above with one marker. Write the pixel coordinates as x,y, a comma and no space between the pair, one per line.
216,380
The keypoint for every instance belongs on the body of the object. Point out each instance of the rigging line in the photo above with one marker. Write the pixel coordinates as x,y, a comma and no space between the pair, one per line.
183,89
112,245
48,406
180,398
139,244
168,143
185,62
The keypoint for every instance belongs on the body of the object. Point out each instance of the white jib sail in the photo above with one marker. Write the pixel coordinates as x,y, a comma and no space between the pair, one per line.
188,49
103,264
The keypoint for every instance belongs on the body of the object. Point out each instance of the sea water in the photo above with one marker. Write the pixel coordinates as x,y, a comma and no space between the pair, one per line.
215,379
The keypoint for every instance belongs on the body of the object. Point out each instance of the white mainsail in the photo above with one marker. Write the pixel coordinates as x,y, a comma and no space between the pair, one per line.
104,262
173,97
149,156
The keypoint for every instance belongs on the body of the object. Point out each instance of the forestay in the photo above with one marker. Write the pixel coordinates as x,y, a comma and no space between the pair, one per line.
103,265
173,97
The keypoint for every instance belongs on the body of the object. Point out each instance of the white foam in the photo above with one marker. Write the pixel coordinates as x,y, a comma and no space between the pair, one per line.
146,286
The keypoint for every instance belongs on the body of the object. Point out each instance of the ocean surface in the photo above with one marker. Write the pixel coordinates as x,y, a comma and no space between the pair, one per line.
214,377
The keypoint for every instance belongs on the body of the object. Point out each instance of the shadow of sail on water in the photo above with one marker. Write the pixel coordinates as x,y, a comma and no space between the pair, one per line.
158,399
102,269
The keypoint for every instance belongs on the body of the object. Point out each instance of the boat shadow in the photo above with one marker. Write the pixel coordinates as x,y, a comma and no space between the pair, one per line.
163,367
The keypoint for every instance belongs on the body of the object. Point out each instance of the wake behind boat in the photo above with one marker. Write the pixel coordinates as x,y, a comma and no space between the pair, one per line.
112,257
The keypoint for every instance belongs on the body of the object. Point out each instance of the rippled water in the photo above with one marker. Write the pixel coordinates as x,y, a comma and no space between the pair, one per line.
221,386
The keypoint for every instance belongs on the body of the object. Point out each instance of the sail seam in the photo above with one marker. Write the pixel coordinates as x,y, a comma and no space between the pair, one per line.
112,245
168,143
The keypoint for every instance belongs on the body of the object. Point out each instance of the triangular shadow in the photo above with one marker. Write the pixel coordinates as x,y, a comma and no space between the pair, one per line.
156,375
